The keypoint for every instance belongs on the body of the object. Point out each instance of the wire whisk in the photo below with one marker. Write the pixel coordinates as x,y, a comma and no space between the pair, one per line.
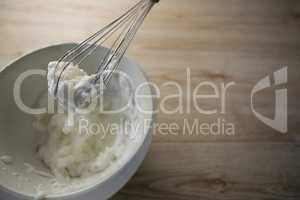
125,26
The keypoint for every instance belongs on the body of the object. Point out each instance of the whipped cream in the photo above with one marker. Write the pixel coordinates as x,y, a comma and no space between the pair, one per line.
96,139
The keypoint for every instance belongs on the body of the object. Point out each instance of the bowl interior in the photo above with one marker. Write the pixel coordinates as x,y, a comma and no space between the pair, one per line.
17,135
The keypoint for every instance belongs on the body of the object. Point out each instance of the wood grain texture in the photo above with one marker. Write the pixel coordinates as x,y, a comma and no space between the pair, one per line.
220,41
217,171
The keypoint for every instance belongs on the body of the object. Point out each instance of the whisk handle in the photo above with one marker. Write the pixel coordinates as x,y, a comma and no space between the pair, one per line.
155,1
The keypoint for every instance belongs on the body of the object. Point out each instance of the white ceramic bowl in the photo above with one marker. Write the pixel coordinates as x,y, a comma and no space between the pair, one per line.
17,137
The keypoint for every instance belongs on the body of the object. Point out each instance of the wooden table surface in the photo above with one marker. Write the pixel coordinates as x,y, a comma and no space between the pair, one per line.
220,41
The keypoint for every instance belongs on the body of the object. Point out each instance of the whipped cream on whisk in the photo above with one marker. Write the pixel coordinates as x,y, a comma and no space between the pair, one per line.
71,86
